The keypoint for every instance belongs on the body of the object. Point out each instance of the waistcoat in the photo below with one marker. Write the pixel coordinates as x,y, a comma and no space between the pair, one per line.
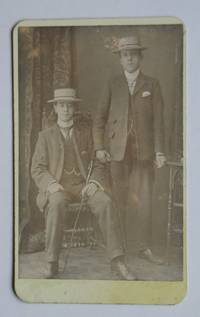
71,173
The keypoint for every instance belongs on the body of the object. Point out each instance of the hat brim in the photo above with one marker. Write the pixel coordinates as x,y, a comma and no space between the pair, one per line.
64,99
139,48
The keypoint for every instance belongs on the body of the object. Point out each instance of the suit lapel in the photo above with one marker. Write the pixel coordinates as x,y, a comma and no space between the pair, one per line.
139,83
123,91
76,142
59,150
123,86
58,138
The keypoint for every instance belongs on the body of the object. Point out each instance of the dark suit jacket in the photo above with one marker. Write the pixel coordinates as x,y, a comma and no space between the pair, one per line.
48,159
148,116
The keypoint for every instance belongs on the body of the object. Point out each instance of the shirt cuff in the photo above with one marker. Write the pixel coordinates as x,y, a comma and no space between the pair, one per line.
159,153
51,183
96,183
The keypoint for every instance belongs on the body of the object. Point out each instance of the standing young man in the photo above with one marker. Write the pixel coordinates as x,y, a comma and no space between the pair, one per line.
59,168
132,109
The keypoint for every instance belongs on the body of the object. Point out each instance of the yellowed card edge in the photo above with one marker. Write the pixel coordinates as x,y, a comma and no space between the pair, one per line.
93,291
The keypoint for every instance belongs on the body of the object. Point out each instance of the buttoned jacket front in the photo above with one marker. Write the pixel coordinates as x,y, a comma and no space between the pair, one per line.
113,112
48,159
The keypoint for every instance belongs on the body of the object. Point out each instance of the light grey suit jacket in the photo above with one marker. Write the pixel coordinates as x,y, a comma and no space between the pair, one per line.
48,159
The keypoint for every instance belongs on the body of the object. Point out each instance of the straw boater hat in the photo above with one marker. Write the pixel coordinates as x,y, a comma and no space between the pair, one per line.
68,94
128,43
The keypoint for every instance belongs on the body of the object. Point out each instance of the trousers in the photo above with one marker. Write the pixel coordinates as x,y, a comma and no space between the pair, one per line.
101,206
133,179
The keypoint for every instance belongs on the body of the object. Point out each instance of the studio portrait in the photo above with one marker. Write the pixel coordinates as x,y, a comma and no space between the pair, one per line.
100,169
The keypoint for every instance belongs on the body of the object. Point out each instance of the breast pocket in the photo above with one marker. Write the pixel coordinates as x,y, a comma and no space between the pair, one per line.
145,106
146,99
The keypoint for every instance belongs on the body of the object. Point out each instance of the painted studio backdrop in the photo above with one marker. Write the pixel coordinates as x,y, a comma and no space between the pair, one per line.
81,57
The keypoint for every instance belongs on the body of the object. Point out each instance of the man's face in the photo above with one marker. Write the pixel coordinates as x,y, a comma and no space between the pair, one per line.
64,110
130,60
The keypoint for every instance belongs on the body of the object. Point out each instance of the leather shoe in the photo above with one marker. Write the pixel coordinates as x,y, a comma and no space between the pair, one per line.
121,271
149,256
51,270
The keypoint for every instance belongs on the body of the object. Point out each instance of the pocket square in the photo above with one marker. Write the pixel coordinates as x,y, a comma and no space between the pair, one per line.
146,93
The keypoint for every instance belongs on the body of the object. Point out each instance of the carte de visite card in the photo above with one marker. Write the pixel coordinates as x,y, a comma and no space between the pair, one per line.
99,161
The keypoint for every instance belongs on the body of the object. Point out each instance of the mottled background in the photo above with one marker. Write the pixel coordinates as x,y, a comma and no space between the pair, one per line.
81,57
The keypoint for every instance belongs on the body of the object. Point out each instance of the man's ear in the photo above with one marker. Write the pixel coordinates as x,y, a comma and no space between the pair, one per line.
55,107
120,59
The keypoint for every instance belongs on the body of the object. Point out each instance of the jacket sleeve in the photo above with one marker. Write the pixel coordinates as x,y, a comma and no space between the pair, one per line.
39,167
158,119
100,118
98,175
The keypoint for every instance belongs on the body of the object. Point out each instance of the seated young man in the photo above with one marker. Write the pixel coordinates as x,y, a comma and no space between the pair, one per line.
59,168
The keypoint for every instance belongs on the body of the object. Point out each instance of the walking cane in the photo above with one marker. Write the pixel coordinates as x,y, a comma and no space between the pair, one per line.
77,217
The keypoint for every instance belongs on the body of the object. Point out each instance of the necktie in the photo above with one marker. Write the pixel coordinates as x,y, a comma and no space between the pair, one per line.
131,86
66,132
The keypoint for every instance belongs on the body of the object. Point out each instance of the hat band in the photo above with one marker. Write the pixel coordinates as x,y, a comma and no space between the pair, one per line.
121,47
69,98
128,47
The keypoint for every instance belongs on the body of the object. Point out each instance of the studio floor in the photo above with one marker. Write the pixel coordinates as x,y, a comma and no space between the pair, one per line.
91,263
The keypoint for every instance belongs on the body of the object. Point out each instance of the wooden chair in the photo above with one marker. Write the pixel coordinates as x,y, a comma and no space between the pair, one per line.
175,205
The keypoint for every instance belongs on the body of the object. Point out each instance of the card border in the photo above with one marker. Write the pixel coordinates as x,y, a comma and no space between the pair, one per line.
93,291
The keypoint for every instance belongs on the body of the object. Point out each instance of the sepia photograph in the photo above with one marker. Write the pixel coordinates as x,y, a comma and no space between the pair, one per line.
99,159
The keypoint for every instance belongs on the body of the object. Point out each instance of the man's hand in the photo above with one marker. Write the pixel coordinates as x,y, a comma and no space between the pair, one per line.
89,190
160,160
55,187
103,156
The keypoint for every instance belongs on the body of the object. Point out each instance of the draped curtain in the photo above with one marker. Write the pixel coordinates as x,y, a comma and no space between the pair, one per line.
44,65
46,57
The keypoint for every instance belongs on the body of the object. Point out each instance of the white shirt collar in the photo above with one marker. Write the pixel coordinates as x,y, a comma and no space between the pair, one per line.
64,125
131,77
66,128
